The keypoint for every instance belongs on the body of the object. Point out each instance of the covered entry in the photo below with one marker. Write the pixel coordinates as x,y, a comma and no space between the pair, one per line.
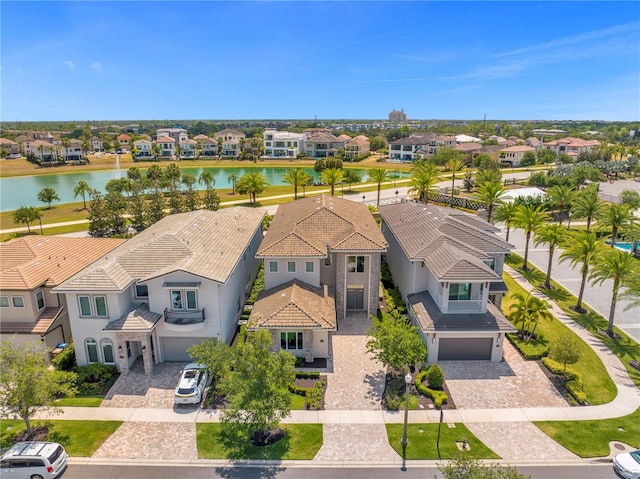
465,349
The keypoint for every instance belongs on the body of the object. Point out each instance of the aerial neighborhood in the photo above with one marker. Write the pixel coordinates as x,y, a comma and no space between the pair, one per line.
384,266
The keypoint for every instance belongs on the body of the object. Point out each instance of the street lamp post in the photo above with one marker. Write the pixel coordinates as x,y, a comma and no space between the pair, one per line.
405,441
363,197
397,195
569,223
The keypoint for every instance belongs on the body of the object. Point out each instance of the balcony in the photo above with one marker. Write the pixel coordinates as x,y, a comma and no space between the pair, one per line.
184,320
465,306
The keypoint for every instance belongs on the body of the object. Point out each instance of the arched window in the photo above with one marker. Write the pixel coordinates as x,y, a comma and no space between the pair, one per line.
92,350
107,351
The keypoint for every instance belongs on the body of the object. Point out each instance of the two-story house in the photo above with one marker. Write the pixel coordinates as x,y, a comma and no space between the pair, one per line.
513,155
320,144
419,145
96,144
208,148
167,148
182,280
142,149
188,149
448,266
124,141
30,267
571,146
322,263
357,147
281,144
73,152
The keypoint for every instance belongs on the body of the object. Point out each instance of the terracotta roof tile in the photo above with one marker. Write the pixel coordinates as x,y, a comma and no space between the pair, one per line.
138,318
39,326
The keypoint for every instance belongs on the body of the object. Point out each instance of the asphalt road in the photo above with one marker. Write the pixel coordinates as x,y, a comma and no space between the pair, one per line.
578,471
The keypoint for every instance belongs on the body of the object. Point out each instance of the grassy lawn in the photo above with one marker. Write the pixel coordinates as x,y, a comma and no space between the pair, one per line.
598,386
625,348
423,437
591,438
301,441
297,401
80,401
80,438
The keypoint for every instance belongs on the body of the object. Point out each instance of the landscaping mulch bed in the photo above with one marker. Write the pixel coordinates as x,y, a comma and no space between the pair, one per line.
38,433
424,402
559,383
310,383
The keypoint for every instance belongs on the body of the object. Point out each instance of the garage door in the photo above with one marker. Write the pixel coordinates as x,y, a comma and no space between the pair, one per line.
175,349
465,349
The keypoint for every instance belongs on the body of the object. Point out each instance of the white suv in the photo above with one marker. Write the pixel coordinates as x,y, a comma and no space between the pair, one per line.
33,460
193,380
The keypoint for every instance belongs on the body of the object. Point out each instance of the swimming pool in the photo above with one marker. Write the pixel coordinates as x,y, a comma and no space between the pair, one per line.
624,246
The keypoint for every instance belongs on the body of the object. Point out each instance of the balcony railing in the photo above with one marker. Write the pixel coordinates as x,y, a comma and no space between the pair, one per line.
465,306
183,318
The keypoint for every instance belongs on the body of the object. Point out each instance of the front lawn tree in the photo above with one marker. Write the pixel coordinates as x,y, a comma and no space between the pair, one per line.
566,350
491,194
252,184
83,189
258,389
27,385
552,234
26,215
396,343
48,195
529,218
581,247
378,176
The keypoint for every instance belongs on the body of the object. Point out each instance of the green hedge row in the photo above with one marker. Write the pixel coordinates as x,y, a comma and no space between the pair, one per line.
532,349
438,397
574,383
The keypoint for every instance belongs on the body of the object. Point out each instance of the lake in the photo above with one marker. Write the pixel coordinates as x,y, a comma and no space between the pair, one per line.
23,190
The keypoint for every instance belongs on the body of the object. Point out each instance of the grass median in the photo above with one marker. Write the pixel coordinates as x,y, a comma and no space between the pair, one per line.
79,438
301,442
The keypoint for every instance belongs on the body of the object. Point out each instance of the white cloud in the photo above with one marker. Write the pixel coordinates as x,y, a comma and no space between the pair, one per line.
71,65
96,67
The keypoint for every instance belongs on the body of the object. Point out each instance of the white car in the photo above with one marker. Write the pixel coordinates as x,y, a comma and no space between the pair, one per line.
627,465
193,380
33,460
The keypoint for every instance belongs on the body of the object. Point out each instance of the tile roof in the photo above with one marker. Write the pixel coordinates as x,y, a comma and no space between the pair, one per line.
305,227
138,318
518,149
469,146
452,244
39,326
431,319
33,261
575,142
200,137
203,243
294,305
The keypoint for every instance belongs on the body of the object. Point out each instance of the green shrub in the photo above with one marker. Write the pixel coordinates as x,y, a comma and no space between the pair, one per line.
242,337
576,390
307,374
393,403
438,397
66,360
385,275
435,377
533,349
258,285
94,378
574,380
394,300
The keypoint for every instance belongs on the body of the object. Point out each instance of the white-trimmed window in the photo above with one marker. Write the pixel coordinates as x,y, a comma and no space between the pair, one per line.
291,266
273,266
17,301
459,291
91,348
40,299
107,351
100,302
84,303
142,291
355,264
184,300
309,266
291,340
4,301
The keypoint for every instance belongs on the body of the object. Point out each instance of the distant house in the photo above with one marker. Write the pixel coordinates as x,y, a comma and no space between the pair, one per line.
448,266
571,146
143,150
9,146
124,140
357,147
322,264
188,149
167,147
467,139
470,150
419,145
44,151
208,148
175,284
74,151
533,142
513,155
323,145
283,144
30,267
96,145
178,134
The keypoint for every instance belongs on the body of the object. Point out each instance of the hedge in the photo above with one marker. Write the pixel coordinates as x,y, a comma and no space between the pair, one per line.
438,397
574,383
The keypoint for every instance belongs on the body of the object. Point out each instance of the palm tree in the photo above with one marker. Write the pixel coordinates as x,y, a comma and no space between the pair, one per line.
561,196
155,151
252,184
581,247
552,234
332,176
615,217
528,310
296,177
490,193
454,165
26,215
529,218
172,175
378,176
423,181
233,178
66,143
632,291
82,189
206,178
220,142
242,142
155,176
48,195
587,205
257,146
506,214
616,265
191,195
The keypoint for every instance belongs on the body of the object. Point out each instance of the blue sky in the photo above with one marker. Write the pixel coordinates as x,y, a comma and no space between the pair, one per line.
85,60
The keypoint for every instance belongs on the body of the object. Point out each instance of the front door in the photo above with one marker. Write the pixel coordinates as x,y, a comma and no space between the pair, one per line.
355,298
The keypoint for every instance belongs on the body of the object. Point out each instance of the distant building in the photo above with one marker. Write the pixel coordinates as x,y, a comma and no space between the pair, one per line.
397,116
279,144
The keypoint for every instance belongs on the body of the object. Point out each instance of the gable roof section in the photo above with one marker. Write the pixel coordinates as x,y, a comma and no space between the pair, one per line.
452,244
208,244
33,261
294,305
307,226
